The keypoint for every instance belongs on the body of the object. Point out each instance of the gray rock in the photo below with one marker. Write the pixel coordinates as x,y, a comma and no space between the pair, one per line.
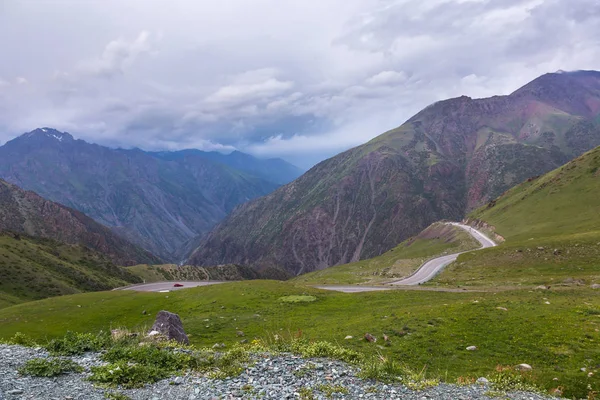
524,367
595,286
15,392
169,325
472,348
483,381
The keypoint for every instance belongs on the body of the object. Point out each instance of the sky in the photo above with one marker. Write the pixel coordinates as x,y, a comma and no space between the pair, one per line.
298,79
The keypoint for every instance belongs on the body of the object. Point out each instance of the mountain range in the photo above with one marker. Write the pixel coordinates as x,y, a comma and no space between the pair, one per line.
161,201
447,160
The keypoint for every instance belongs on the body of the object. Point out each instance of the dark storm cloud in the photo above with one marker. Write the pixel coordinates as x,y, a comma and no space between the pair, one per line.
293,79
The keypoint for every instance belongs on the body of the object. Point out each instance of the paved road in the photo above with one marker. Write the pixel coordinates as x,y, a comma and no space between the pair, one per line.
432,267
167,286
425,273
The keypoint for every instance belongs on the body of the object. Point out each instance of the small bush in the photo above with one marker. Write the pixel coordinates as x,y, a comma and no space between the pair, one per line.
325,350
48,367
78,343
127,375
22,340
116,396
387,370
306,393
330,390
506,379
150,354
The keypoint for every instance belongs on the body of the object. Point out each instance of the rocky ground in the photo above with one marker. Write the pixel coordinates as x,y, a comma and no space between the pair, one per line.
270,377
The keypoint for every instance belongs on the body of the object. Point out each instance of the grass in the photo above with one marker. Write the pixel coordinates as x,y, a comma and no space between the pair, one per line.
34,268
426,329
552,229
398,262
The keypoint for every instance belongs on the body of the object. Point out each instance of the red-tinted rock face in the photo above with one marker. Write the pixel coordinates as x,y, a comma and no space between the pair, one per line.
453,156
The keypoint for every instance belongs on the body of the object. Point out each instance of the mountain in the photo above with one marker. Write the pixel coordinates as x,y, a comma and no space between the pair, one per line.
24,212
273,170
447,160
161,203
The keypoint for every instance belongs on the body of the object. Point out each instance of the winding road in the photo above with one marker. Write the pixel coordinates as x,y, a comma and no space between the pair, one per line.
425,273
432,267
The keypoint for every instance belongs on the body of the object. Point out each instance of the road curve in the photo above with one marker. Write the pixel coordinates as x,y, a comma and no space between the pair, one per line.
168,286
432,267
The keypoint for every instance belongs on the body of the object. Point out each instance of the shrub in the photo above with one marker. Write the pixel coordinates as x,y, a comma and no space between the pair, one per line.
325,350
506,378
128,375
78,343
22,340
150,354
48,367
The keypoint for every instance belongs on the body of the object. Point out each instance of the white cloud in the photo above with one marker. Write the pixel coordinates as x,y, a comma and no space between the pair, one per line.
118,55
238,93
387,78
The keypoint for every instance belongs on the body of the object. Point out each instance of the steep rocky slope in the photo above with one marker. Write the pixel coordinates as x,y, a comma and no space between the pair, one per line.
450,158
25,212
158,202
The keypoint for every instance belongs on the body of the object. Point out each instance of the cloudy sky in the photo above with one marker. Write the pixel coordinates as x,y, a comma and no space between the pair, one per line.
297,79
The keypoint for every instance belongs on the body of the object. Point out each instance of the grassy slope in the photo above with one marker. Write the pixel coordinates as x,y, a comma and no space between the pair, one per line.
399,262
552,230
557,339
32,269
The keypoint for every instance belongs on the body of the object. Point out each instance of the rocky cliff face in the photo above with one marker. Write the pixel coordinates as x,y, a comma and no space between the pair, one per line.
450,158
158,201
25,212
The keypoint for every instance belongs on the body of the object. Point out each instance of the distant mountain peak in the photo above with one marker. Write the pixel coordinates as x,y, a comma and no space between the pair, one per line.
48,133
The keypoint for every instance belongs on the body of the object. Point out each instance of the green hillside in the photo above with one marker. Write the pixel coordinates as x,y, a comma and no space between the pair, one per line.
398,262
33,268
552,229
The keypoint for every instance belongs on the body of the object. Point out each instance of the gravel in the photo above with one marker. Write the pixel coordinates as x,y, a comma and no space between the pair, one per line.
270,377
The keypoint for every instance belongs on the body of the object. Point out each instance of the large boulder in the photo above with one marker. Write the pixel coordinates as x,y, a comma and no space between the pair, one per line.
170,326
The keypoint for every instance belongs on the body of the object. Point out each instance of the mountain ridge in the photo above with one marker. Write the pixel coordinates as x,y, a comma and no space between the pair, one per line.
157,203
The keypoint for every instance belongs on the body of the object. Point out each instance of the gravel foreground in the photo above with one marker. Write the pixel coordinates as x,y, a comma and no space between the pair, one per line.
270,377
